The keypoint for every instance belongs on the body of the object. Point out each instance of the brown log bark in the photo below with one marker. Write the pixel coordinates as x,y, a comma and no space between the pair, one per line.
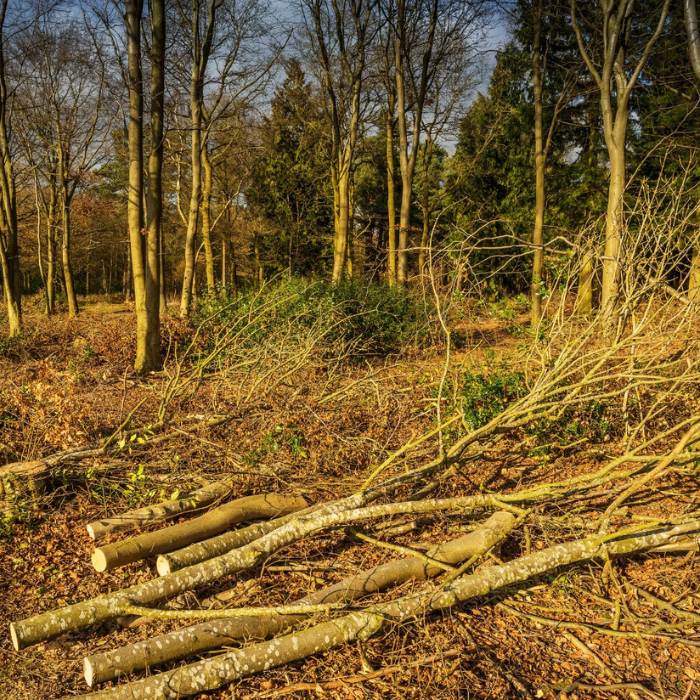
19,477
133,519
212,523
215,634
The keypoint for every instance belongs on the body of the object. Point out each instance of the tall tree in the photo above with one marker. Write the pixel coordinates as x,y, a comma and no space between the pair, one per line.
9,243
339,33
144,249
615,55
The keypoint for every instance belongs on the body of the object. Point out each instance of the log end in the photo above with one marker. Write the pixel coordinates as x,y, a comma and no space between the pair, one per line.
99,560
89,672
163,566
15,637
91,531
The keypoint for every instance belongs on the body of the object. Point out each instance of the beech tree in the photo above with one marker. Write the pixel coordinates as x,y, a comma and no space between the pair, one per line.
145,248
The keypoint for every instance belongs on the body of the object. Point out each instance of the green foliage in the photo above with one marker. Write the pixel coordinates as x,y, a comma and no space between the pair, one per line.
486,393
349,318
289,185
287,436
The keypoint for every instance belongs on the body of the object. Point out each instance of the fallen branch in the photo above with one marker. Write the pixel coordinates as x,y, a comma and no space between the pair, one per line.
360,678
201,638
216,672
212,523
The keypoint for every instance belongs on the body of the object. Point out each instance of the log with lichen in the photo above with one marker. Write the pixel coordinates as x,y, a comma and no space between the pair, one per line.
213,673
214,634
108,606
212,523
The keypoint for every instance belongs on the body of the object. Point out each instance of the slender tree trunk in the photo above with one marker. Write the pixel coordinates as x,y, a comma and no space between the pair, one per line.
425,203
65,257
391,191
340,247
51,253
614,218
540,163
9,243
206,220
584,296
224,281
200,56
193,218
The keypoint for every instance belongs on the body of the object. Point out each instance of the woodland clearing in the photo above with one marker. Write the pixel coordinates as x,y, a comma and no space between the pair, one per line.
620,628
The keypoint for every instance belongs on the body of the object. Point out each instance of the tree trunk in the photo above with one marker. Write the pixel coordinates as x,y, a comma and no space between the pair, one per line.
133,15
65,256
185,503
340,247
584,295
200,57
425,203
206,220
391,192
540,163
148,356
183,534
614,217
51,255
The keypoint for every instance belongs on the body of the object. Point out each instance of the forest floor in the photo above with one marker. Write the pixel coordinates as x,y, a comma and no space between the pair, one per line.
69,383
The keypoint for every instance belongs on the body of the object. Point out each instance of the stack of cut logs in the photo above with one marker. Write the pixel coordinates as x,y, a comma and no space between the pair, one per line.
204,549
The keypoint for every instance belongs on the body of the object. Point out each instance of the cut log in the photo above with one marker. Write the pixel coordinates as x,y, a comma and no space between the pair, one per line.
214,634
213,673
160,511
112,605
24,478
108,606
212,523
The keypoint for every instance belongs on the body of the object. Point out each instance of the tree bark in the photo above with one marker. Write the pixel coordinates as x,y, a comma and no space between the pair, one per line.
540,163
216,672
135,213
205,526
206,220
148,355
215,634
65,258
425,202
201,49
9,242
391,191
133,519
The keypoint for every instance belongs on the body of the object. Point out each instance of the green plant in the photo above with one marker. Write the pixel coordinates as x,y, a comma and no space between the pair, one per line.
485,394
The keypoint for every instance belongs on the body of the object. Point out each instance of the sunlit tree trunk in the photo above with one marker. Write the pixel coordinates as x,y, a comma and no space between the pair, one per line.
68,280
615,80
693,32
540,162
391,190
425,202
201,49
9,243
206,220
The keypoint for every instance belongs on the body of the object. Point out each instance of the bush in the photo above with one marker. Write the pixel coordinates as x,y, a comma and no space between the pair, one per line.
348,318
